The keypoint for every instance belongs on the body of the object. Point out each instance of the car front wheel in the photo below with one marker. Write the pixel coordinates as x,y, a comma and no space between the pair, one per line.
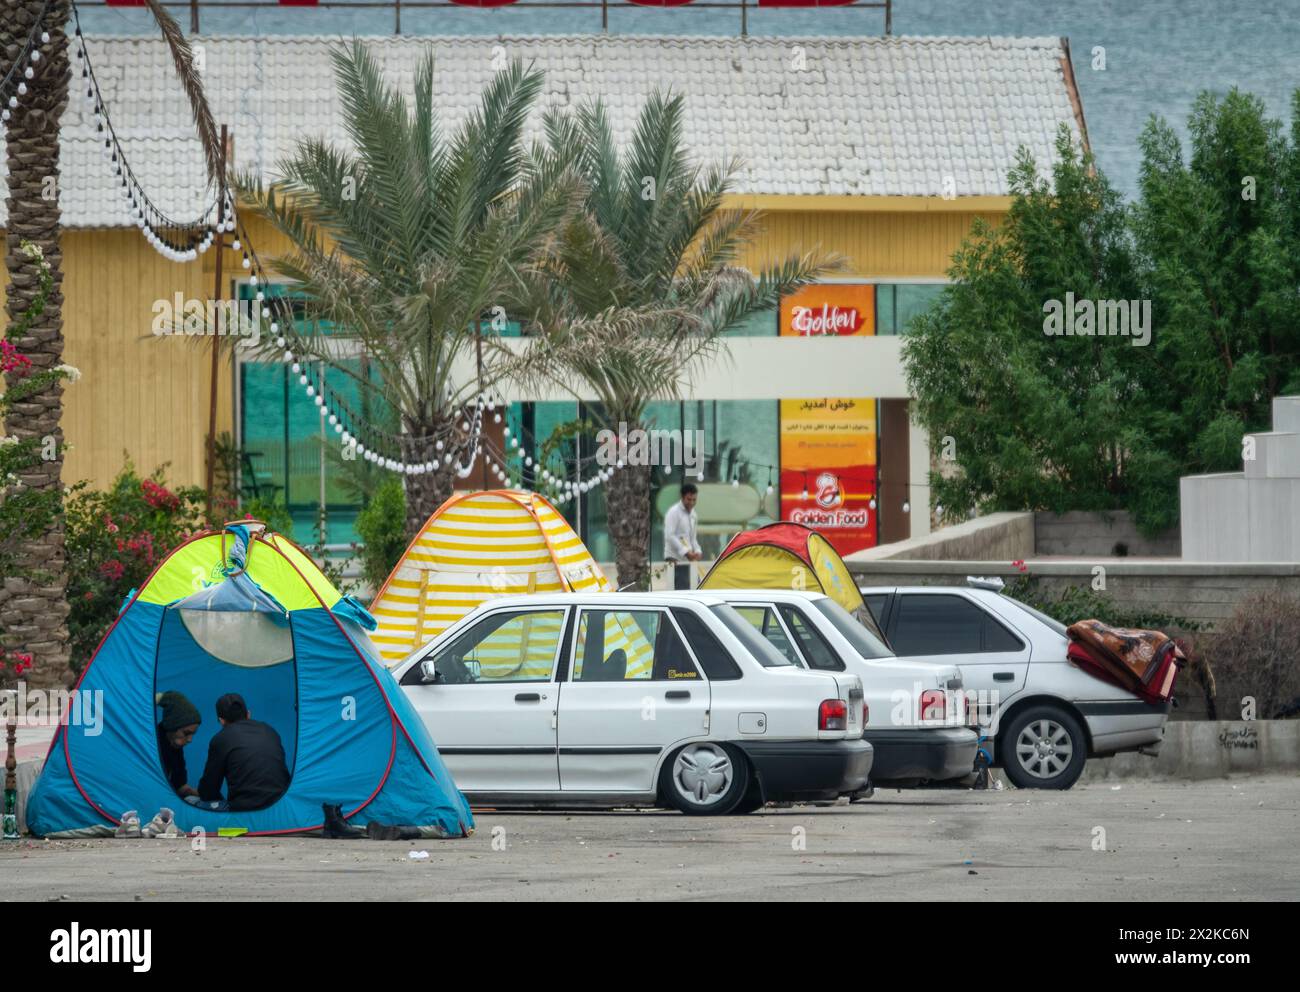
1044,748
704,779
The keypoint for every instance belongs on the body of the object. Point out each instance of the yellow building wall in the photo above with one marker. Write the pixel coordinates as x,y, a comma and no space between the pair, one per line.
141,397
146,398
874,245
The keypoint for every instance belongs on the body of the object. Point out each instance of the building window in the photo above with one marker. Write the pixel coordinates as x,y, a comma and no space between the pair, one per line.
898,303
285,455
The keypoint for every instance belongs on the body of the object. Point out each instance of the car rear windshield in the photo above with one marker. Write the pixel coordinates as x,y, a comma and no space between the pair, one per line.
764,653
1056,625
864,641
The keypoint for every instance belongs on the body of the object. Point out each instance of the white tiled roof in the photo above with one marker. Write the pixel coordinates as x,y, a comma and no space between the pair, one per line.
891,116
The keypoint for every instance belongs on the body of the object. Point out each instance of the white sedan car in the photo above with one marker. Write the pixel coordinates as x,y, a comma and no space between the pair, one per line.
1044,716
917,717
611,699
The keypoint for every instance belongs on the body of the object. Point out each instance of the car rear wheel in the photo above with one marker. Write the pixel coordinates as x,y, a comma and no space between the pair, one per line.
1044,748
705,779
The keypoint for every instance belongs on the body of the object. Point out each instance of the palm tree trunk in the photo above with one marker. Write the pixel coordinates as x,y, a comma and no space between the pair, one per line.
627,497
426,492
34,610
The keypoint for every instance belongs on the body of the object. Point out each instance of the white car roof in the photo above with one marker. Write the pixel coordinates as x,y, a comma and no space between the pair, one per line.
954,587
629,599
766,595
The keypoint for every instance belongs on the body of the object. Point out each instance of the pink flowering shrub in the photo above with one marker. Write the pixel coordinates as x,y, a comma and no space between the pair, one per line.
116,537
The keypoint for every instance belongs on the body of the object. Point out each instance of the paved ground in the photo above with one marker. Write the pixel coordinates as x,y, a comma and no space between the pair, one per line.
1227,839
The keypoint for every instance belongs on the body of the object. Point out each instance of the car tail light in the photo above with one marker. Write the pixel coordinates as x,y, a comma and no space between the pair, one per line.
866,714
833,714
934,705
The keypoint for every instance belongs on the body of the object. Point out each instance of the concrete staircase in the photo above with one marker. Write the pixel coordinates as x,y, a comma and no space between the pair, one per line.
1252,515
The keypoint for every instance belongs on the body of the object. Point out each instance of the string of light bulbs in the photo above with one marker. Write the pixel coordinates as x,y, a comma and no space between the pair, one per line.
448,445
562,489
23,69
179,241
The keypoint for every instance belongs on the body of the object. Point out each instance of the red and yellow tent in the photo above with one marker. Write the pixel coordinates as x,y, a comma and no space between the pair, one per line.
786,555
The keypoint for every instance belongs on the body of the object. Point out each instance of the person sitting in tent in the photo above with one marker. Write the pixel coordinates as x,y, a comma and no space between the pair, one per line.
180,722
248,756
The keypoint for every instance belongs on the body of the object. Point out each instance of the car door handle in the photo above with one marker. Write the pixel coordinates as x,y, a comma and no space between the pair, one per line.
1004,676
677,694
528,697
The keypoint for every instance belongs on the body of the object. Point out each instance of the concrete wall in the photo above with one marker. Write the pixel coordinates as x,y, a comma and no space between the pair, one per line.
1254,514
999,537
1209,749
1206,592
1097,534
1007,537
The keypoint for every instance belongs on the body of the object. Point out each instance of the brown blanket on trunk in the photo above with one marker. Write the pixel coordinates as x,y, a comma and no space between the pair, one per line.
1129,655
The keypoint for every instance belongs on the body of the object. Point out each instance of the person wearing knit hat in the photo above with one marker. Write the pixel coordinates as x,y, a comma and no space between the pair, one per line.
180,722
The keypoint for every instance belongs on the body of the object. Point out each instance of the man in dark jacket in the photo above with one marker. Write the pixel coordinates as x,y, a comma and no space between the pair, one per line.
180,722
248,756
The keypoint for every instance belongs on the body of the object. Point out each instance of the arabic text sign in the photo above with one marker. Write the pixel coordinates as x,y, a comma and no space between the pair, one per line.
828,451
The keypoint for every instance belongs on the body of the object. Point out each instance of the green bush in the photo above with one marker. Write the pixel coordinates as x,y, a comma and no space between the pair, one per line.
1255,655
272,512
1075,603
381,525
115,538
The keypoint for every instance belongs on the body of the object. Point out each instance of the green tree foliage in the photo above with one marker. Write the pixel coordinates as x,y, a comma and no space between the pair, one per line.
1221,263
381,525
1033,417
1091,422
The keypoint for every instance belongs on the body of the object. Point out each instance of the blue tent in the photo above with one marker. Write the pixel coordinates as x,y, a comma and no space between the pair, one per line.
247,611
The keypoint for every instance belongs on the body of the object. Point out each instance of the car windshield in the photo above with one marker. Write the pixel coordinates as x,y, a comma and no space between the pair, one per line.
1056,625
764,653
865,641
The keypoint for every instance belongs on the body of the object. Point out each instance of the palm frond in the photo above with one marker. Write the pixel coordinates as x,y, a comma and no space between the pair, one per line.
183,58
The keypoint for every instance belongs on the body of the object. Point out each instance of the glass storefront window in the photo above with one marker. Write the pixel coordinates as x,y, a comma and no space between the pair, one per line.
757,325
284,452
914,300
898,303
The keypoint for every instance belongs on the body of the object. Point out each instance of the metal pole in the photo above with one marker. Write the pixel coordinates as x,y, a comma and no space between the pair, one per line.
10,815
604,15
478,365
194,16
398,28
324,442
744,18
889,17
216,338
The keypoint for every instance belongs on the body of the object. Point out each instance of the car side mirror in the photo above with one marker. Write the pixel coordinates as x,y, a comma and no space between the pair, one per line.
429,672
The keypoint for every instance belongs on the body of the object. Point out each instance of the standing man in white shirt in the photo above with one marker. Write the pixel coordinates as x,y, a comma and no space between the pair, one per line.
680,544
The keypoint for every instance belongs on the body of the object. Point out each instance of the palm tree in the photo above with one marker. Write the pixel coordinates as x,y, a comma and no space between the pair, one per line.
641,286
408,241
33,608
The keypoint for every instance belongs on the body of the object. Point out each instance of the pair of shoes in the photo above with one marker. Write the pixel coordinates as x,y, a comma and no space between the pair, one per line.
388,831
336,827
129,825
162,825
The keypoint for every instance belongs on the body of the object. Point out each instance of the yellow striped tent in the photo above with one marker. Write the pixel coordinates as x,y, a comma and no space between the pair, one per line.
476,546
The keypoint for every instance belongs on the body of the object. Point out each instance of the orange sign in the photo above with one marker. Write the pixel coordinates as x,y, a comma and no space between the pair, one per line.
829,310
828,469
